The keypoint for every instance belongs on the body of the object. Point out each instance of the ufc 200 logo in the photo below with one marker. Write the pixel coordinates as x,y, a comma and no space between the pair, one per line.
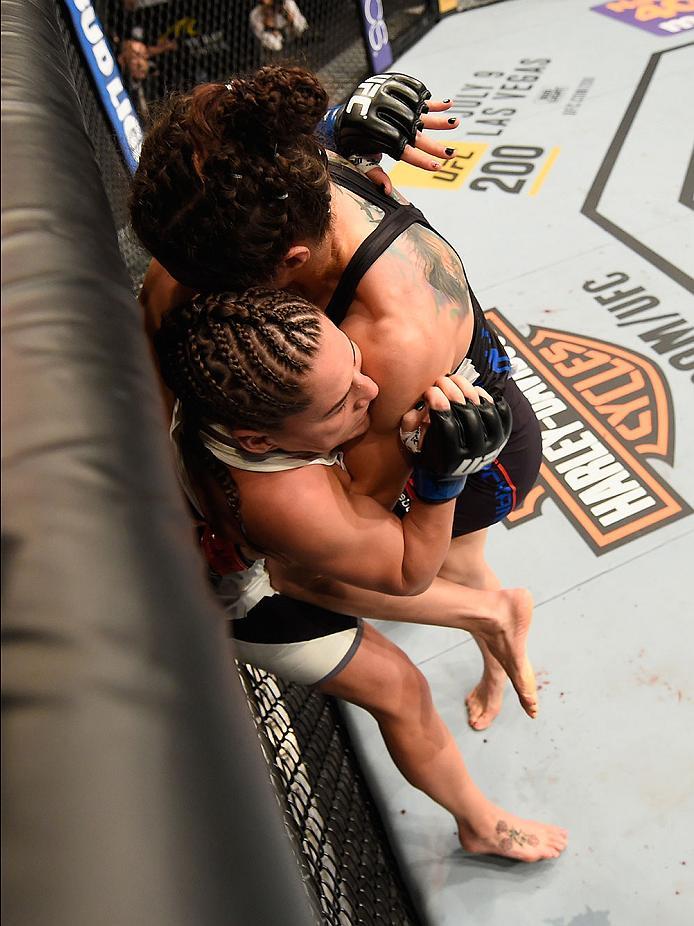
377,29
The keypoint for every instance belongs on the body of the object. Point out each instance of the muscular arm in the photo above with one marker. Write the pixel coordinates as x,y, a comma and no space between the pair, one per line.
345,535
402,366
443,604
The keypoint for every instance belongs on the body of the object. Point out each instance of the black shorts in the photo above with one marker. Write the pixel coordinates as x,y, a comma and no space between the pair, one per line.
298,641
493,493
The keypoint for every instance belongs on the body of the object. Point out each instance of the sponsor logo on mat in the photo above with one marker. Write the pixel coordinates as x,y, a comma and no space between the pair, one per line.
503,169
663,17
603,410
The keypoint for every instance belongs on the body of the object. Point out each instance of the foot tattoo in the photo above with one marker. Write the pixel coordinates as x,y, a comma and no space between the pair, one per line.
509,836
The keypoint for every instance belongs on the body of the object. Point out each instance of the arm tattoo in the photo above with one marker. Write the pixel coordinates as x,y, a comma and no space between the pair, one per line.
399,198
442,269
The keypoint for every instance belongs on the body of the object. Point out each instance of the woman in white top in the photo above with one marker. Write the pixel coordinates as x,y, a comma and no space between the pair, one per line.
267,388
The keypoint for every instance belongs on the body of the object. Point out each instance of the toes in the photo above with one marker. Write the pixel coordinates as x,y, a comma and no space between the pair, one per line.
475,714
527,694
482,708
559,841
475,722
484,720
479,724
481,719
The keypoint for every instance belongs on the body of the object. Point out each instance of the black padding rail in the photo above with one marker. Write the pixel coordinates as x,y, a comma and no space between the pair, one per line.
134,791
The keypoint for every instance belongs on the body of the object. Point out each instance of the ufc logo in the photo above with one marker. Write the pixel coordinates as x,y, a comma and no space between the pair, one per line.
368,90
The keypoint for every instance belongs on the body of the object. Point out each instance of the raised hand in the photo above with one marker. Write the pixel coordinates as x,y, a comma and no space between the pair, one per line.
389,114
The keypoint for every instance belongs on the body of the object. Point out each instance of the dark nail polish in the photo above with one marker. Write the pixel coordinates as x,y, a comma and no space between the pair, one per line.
450,151
425,109
420,405
451,120
447,101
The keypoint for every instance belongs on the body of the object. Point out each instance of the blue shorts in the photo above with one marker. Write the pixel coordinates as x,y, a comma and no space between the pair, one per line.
493,493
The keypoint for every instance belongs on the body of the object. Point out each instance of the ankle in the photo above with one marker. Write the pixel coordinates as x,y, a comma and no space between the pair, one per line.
477,818
480,611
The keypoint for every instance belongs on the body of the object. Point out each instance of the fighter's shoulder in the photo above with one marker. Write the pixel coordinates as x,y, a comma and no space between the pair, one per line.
269,502
402,356
261,491
335,158
388,333
155,279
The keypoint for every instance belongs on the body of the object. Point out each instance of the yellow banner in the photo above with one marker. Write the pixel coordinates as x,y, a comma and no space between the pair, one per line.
453,173
447,6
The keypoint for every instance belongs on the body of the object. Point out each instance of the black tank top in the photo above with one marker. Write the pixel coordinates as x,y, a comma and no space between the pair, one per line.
486,350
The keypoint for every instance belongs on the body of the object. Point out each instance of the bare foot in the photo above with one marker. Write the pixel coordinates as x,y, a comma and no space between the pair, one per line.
501,833
484,702
506,638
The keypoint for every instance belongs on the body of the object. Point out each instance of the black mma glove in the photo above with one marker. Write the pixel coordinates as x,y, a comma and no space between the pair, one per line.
458,443
382,115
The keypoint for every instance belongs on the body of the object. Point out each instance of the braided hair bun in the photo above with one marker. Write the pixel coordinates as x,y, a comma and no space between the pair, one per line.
276,105
231,176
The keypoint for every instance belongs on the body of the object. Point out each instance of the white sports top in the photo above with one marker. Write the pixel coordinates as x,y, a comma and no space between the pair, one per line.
220,442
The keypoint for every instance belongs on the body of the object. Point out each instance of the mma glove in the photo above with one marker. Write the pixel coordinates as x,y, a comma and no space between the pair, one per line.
457,443
383,115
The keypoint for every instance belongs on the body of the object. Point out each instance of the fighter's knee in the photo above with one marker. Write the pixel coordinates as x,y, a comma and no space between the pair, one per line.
465,563
472,574
403,688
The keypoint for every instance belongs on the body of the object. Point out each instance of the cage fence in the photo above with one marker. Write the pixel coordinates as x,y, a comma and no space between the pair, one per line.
407,21
335,827
166,45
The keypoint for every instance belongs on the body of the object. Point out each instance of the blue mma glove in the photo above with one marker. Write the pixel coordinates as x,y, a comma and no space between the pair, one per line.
458,443
382,115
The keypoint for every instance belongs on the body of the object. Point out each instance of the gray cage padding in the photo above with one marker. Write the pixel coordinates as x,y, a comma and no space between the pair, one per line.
134,791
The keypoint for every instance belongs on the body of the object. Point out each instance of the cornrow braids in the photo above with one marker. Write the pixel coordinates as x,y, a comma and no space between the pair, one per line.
240,361
225,480
231,176
199,459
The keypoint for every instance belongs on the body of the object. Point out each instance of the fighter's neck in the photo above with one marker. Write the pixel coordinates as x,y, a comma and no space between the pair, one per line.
320,275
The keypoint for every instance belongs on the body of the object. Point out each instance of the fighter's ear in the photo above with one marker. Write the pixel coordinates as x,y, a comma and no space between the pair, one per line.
291,263
254,441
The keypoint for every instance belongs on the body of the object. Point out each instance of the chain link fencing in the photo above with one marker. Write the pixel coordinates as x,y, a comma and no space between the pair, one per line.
165,45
